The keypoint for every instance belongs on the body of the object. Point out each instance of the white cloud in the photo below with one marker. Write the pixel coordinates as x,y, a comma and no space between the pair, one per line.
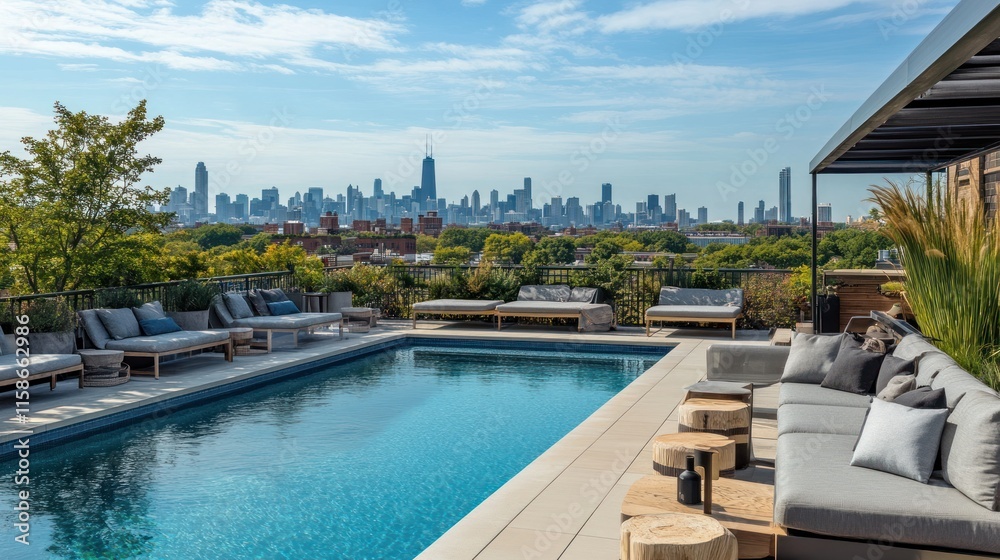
692,14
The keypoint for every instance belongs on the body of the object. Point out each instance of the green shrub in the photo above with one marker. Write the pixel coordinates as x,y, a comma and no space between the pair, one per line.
768,302
46,315
190,295
453,284
116,298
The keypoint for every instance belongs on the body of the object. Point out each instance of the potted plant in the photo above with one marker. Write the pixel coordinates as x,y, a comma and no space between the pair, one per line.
52,326
339,288
188,303
116,298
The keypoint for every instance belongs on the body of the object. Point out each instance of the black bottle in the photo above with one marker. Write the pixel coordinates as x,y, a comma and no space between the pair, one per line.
689,485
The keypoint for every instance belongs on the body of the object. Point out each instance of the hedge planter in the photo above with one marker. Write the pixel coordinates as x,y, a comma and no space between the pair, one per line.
339,300
52,343
190,320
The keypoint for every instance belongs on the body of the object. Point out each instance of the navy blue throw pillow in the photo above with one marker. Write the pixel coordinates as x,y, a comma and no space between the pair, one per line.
282,308
163,325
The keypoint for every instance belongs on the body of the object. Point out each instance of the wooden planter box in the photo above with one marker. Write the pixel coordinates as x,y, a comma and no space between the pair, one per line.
859,292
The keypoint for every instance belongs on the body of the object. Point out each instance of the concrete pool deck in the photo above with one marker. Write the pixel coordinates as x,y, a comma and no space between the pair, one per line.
565,504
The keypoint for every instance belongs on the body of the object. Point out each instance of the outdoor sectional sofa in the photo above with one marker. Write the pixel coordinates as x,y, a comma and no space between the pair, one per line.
559,301
119,330
40,366
697,305
228,312
830,509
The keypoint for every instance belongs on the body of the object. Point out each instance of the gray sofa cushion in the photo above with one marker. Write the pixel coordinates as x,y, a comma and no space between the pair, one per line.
695,311
238,306
273,295
854,370
891,367
956,382
929,364
151,310
809,495
897,386
808,393
900,440
295,321
221,313
94,328
39,363
169,342
811,357
670,295
970,448
7,346
120,323
923,397
555,292
912,346
258,303
461,305
542,307
584,295
820,419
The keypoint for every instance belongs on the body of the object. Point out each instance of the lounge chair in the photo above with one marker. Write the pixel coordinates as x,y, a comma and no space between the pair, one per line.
481,307
40,366
697,305
147,346
222,316
559,301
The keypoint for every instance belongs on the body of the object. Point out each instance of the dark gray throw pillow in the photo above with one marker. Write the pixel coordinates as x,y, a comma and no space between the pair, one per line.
273,296
891,367
238,306
151,310
120,323
923,397
854,370
257,302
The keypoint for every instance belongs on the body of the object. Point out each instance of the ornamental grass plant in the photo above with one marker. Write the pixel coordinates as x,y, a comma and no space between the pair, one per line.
952,260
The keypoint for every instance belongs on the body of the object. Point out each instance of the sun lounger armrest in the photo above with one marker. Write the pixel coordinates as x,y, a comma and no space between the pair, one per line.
761,365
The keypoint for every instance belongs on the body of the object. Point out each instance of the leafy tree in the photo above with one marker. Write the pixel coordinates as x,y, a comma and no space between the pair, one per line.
506,249
217,235
426,243
259,242
72,206
473,238
242,260
852,247
556,250
285,256
603,251
452,255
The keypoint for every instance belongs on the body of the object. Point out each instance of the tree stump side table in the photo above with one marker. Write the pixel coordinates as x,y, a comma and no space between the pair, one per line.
672,536
729,418
728,390
103,368
671,450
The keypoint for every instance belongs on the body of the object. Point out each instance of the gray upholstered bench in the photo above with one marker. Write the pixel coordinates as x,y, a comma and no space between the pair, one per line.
560,301
484,307
697,305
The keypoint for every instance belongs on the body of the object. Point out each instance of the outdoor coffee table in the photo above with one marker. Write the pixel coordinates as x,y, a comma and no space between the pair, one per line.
670,452
745,508
103,368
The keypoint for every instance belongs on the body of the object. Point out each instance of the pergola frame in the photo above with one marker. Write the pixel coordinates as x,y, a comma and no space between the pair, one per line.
939,107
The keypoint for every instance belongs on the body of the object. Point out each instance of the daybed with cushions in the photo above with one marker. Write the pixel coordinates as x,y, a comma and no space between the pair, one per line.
480,307
40,366
146,332
268,312
899,458
697,305
559,301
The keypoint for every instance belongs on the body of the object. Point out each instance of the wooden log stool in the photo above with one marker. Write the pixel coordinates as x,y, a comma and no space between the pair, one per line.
726,417
676,536
671,450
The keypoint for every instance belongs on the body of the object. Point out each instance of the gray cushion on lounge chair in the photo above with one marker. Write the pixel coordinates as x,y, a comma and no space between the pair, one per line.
930,364
151,310
670,295
956,382
584,295
808,393
466,305
237,305
222,312
912,346
876,503
120,323
555,292
39,363
168,341
820,419
274,295
92,325
695,311
7,347
970,448
542,307
811,357
258,302
294,321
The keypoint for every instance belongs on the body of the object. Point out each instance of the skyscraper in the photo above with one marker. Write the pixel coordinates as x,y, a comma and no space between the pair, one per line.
758,213
605,193
739,214
476,203
200,189
670,207
702,215
527,192
377,189
223,207
428,188
241,208
785,195
824,212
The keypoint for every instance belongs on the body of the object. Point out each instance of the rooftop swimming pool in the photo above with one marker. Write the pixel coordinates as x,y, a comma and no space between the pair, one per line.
370,458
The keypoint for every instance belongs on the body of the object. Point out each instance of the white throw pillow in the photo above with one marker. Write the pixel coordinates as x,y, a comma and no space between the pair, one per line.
900,440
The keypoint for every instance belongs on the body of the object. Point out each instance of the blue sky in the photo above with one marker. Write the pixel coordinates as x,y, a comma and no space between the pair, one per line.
653,96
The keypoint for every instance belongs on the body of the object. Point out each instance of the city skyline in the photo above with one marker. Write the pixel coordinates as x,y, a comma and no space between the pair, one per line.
710,98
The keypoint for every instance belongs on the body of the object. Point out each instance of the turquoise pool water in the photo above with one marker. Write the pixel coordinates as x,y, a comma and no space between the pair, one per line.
370,459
